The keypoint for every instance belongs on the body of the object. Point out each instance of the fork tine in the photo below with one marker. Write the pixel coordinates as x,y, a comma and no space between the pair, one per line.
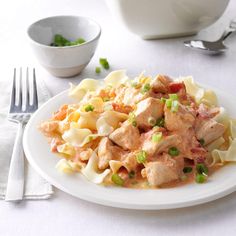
13,92
27,102
20,90
35,94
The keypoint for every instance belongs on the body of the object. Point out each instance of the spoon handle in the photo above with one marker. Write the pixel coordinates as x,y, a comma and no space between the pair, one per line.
229,31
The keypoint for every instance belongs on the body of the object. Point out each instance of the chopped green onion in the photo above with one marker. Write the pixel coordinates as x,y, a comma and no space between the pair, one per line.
106,99
131,116
173,96
80,41
160,122
151,121
117,179
173,151
131,119
145,88
60,41
174,106
201,169
168,103
156,137
131,174
201,141
141,156
134,84
163,100
104,63
98,70
187,169
89,107
200,178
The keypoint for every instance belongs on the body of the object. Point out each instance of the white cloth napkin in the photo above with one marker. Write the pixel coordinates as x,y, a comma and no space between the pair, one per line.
35,186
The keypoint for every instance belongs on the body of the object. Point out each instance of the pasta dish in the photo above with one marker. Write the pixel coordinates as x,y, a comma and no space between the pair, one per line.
141,133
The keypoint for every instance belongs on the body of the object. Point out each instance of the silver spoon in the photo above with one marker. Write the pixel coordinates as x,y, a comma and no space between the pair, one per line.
216,46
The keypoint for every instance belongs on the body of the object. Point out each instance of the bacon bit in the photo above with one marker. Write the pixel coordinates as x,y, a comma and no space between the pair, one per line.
200,159
122,108
188,161
54,143
175,87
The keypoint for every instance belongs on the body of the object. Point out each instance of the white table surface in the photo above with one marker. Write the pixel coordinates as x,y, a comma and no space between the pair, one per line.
66,215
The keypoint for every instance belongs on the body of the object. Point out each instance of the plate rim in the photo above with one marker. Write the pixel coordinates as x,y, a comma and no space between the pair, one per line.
107,202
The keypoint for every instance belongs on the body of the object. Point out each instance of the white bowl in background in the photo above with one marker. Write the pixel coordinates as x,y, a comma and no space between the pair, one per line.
152,19
64,61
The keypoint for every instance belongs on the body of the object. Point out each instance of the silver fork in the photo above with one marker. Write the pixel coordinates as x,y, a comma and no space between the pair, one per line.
20,111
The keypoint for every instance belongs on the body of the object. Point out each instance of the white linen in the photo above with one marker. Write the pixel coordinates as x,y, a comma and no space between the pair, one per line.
35,186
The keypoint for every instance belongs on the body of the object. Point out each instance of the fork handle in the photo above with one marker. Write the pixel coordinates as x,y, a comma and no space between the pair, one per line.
15,184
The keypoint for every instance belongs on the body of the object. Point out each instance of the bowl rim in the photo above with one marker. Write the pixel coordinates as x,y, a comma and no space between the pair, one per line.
97,36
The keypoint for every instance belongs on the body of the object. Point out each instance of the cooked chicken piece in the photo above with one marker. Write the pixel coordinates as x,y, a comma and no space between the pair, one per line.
160,84
208,130
150,108
164,171
183,119
190,146
154,148
107,151
48,128
104,153
127,136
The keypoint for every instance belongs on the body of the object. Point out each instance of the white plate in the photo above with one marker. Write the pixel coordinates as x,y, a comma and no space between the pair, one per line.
37,151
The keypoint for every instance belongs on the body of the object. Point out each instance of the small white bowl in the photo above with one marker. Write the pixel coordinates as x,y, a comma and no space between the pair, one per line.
64,61
152,19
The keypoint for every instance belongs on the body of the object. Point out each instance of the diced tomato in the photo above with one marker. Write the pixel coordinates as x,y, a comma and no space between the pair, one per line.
175,87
